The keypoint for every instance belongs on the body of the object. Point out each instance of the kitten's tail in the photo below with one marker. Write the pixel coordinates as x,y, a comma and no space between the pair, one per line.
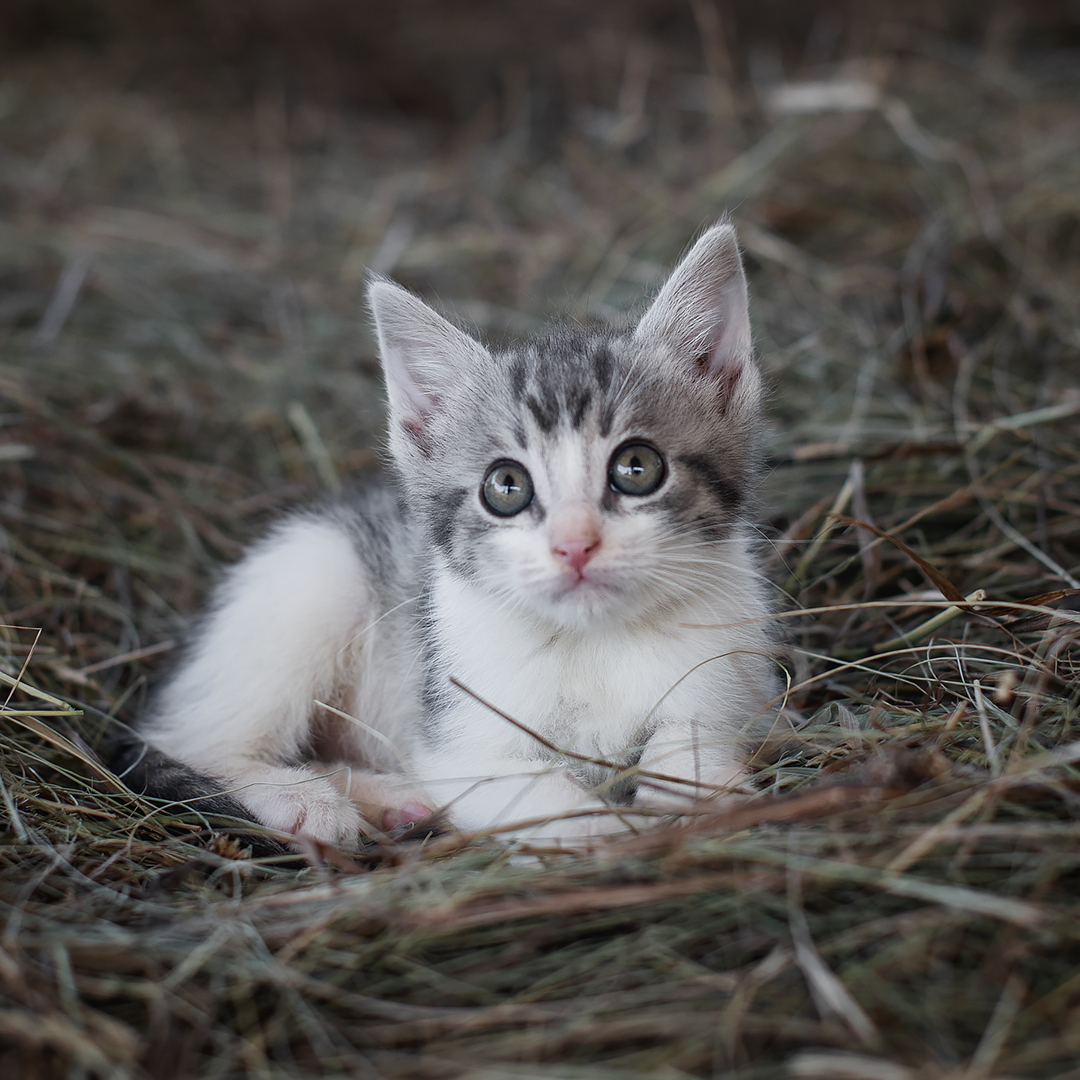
147,771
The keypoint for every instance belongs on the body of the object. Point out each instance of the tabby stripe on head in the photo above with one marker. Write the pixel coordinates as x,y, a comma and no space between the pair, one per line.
518,377
725,492
546,414
577,405
447,504
606,419
603,366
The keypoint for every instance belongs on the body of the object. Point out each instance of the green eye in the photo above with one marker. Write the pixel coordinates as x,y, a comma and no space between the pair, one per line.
636,469
507,488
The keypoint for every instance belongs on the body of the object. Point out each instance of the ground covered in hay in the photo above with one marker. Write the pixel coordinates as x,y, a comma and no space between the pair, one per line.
184,351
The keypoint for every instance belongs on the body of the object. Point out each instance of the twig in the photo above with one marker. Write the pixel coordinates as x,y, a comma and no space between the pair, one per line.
917,633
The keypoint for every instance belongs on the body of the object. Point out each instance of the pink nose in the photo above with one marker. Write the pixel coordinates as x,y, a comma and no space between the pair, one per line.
576,552
574,534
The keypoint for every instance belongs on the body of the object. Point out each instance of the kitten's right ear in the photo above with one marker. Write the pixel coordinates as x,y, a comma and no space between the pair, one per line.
422,354
701,316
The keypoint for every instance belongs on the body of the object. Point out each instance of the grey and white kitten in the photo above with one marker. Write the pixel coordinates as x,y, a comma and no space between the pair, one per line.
565,536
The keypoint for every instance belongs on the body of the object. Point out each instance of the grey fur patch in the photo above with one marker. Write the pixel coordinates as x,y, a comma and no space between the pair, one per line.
723,490
546,413
602,366
147,771
519,375
442,516
577,404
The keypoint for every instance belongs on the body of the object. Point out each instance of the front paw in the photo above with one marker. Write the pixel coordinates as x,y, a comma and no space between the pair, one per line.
579,833
667,797
671,799
385,801
301,803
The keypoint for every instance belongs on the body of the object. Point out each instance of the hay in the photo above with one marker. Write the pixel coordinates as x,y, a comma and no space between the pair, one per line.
184,352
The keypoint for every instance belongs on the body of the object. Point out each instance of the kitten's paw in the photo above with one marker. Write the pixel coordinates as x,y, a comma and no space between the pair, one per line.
301,801
580,834
409,814
388,800
723,785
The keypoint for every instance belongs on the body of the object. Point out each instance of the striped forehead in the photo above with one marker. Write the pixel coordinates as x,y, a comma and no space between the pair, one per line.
566,382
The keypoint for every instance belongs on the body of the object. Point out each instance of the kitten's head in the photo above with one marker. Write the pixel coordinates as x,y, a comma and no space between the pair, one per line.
584,477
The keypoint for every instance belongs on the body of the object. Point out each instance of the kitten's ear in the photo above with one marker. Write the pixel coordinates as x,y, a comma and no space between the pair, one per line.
702,313
422,354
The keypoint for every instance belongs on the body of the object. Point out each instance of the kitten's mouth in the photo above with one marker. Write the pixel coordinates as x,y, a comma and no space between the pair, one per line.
577,581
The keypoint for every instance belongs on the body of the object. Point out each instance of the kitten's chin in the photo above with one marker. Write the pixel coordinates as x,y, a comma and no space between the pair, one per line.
587,602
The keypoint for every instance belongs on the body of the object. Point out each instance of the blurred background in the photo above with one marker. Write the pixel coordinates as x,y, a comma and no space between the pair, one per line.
191,193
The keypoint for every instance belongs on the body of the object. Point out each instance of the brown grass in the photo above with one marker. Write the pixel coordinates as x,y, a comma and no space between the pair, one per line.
184,351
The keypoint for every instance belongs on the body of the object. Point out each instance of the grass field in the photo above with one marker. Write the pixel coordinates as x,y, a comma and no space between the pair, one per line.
184,352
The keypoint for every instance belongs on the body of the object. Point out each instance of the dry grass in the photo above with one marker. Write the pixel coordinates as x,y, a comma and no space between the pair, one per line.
183,351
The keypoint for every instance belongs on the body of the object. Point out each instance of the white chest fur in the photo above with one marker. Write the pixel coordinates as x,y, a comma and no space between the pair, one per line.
674,697
597,690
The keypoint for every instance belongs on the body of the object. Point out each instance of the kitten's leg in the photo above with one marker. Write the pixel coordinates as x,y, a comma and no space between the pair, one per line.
708,771
385,800
280,636
296,799
486,792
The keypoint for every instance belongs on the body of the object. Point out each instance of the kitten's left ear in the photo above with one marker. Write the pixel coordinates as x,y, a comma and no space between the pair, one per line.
702,313
422,354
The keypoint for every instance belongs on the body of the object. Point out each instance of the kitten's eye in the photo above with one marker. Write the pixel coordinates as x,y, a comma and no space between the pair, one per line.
507,488
636,469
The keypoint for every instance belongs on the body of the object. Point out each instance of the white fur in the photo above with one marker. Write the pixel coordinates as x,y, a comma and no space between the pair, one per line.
291,627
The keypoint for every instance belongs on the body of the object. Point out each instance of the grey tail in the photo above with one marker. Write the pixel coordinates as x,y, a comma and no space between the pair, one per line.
147,771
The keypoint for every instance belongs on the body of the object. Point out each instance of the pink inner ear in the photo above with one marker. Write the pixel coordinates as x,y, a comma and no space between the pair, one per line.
419,436
727,378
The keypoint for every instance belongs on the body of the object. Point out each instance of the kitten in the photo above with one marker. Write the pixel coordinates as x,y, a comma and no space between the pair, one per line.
565,538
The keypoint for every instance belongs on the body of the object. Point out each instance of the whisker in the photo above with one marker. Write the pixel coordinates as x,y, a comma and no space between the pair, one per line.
390,611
